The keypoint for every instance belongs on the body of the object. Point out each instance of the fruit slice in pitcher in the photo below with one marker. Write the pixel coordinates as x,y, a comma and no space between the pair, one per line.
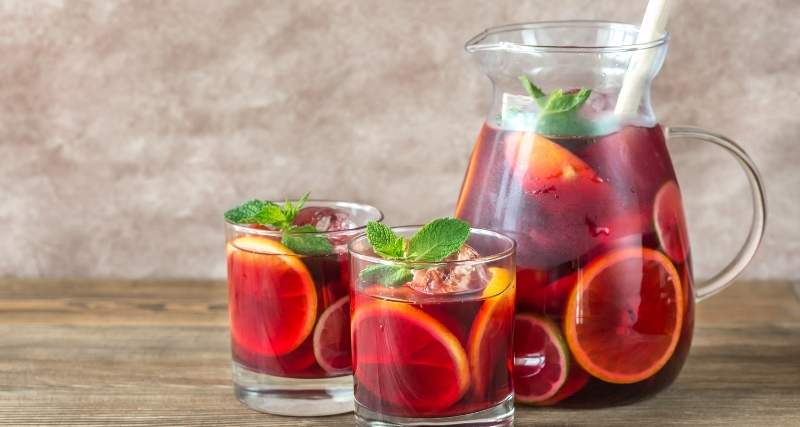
623,319
541,162
332,338
670,223
407,357
541,360
536,293
576,380
272,296
489,335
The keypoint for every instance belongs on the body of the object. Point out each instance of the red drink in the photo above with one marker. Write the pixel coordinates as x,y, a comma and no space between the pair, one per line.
604,283
436,347
278,302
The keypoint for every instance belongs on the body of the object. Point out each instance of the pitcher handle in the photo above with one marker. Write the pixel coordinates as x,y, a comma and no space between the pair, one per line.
725,277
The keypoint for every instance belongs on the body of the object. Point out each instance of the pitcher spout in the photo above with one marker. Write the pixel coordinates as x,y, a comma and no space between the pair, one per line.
569,56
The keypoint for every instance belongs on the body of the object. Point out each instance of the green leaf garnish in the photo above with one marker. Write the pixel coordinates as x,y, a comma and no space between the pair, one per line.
388,275
304,240
246,212
433,242
558,114
437,240
273,215
533,90
560,102
383,240
301,239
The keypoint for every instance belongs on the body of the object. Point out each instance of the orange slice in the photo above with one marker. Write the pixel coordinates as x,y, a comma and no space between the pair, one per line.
670,223
541,162
407,358
489,339
542,359
273,301
332,338
624,317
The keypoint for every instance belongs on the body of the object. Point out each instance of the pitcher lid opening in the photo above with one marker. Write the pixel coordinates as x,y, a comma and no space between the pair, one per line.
576,36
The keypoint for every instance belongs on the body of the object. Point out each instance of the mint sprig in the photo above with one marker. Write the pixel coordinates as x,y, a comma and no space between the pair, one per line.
303,239
558,111
384,242
433,242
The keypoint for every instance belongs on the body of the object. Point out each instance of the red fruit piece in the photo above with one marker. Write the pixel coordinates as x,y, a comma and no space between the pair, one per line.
623,319
576,380
541,163
534,292
332,338
407,358
541,358
489,344
670,223
273,300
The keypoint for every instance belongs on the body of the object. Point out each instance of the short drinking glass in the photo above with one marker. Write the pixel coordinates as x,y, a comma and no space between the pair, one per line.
436,350
290,314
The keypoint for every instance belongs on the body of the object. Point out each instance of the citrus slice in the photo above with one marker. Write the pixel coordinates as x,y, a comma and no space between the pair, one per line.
489,339
273,301
670,223
623,319
541,162
541,360
537,293
576,380
332,338
407,357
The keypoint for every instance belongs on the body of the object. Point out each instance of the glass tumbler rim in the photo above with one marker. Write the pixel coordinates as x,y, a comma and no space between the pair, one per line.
377,215
508,251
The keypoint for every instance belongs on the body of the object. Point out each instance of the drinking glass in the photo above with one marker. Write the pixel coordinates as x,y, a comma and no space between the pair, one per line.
290,318
436,350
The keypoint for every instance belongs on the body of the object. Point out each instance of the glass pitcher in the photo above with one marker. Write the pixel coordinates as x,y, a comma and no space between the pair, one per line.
572,163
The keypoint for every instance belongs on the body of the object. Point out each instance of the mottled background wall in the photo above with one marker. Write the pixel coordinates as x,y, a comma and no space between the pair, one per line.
127,127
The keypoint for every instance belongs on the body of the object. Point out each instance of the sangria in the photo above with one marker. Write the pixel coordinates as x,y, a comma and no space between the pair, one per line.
289,304
604,286
432,333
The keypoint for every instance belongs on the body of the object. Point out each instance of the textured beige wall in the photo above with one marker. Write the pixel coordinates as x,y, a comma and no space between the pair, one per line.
127,127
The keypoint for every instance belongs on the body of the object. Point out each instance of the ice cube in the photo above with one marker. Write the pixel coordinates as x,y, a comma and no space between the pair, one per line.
324,219
453,278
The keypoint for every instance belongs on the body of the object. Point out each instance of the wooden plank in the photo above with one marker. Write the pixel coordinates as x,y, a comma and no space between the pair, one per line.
156,353
81,302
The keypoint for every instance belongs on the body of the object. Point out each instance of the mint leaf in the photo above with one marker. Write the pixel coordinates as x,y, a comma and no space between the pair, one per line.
305,241
437,240
566,124
387,275
384,241
559,111
272,215
537,94
246,213
290,210
560,102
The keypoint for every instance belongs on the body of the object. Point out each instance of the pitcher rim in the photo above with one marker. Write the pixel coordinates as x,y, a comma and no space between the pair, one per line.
475,44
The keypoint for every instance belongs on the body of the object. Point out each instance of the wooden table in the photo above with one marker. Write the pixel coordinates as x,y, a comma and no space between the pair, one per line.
78,352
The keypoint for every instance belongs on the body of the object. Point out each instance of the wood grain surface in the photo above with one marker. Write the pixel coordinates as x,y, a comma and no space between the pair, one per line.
134,353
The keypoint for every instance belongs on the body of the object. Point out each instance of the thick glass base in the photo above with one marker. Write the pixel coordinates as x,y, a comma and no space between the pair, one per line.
499,415
293,397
